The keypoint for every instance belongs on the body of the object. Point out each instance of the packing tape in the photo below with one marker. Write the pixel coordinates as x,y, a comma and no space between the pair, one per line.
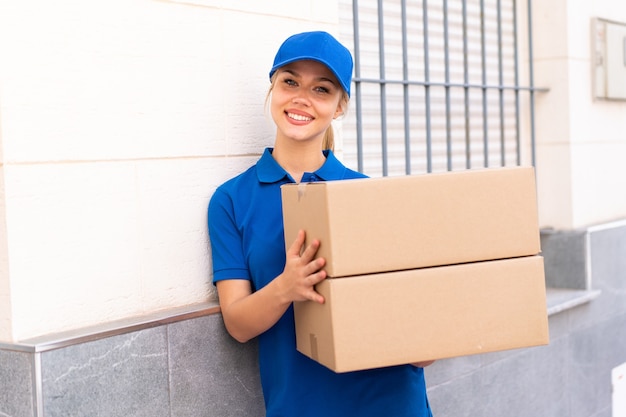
301,190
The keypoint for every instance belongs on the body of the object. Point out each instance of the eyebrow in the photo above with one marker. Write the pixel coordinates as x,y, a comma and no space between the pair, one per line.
295,74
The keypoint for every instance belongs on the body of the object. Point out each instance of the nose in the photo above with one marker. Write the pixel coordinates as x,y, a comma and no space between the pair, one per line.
301,99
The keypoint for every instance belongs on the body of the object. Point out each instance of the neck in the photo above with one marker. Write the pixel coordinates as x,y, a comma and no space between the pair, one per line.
298,158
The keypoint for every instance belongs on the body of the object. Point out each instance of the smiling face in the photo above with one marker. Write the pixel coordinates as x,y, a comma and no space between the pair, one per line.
306,97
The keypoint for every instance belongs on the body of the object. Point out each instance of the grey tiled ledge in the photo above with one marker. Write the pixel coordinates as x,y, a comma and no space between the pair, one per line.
558,300
113,328
561,299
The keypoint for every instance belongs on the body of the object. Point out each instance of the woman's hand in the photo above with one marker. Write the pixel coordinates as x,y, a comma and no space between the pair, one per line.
247,314
302,271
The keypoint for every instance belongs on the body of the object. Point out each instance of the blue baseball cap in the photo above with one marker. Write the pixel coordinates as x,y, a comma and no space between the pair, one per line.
317,46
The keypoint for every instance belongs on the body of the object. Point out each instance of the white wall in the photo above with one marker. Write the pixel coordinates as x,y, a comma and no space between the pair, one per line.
119,118
581,141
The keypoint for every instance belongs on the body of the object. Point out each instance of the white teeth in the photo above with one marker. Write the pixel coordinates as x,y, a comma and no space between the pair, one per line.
299,117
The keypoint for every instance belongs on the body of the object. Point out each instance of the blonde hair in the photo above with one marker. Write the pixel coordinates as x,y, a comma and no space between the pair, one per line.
329,136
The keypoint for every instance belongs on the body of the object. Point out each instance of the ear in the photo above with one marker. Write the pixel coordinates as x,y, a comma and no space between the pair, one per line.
338,111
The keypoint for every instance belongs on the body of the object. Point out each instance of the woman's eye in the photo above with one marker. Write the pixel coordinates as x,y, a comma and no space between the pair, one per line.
289,81
322,90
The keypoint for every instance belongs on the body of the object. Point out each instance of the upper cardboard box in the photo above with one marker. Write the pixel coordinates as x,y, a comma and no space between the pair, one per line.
394,223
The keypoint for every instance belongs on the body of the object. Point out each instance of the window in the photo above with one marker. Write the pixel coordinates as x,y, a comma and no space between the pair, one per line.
437,86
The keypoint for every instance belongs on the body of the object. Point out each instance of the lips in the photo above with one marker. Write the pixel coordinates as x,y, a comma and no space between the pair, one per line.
299,117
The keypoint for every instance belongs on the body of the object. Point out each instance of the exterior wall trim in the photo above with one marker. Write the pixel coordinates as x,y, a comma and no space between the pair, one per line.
88,334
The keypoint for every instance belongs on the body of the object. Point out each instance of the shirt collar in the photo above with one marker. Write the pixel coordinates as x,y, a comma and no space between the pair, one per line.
269,171
332,169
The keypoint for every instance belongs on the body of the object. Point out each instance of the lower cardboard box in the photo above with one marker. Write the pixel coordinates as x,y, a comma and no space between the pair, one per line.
393,318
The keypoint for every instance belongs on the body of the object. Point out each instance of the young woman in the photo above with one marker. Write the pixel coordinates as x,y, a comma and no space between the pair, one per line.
258,279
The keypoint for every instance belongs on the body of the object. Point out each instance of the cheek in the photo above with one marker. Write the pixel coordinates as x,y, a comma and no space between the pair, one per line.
280,95
275,106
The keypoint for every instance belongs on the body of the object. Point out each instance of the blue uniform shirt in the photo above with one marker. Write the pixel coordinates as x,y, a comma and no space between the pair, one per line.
246,232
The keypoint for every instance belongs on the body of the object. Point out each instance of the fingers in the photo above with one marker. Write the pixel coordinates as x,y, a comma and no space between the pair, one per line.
308,255
317,275
314,278
304,270
296,246
316,298
310,251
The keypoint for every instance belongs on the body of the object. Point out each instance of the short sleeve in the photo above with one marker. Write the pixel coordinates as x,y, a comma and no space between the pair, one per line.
226,241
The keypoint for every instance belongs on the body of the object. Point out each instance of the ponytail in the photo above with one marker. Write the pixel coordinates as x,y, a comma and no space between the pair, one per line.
329,139
329,135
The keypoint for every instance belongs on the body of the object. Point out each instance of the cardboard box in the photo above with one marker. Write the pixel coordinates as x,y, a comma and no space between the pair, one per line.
394,223
403,317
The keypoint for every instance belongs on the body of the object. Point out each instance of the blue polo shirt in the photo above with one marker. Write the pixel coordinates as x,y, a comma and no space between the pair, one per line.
246,233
